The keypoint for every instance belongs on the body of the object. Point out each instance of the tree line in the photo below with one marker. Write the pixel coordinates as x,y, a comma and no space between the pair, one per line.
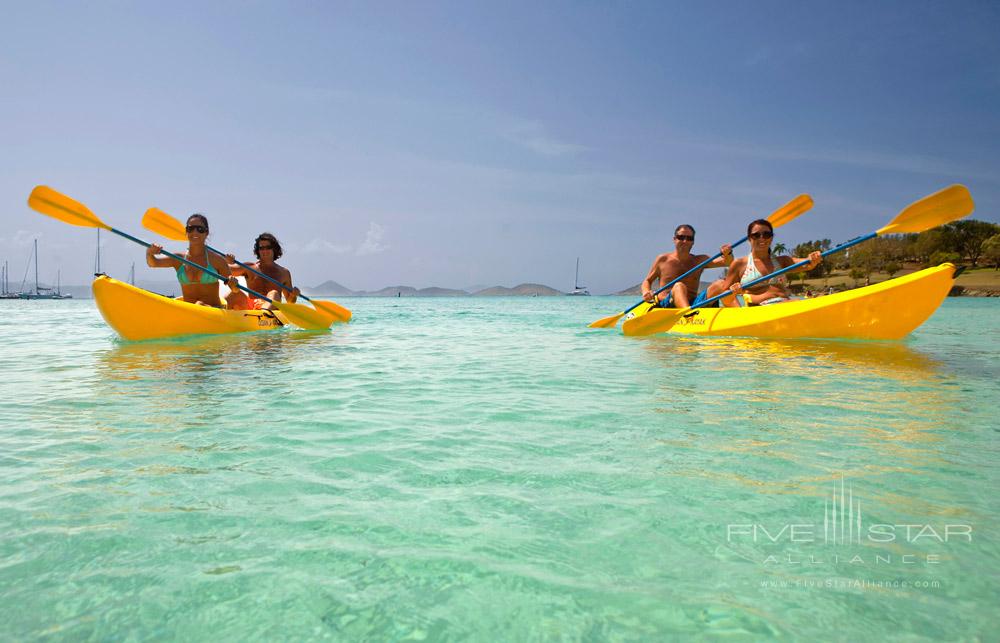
969,241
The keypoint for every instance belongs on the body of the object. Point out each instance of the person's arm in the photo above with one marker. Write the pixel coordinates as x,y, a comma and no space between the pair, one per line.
733,275
235,269
159,262
293,292
647,283
732,279
815,258
725,259
219,265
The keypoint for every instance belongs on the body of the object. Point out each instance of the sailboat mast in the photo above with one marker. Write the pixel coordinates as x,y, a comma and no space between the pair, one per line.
37,292
97,270
576,278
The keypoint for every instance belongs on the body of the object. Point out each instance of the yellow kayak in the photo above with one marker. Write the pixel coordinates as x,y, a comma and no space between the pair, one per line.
138,314
888,310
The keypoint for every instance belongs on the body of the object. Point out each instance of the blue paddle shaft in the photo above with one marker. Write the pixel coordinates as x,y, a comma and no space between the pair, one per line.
805,262
190,263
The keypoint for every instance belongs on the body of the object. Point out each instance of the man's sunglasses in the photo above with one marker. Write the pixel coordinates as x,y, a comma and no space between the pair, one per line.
766,234
196,228
684,237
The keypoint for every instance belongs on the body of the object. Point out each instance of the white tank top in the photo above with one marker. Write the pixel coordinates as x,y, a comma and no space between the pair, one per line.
751,272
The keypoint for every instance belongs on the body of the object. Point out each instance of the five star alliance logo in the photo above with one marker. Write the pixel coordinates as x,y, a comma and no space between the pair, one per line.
849,524
842,525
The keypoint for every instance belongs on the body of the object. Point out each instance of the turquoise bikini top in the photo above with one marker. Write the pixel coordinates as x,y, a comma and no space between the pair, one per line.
203,277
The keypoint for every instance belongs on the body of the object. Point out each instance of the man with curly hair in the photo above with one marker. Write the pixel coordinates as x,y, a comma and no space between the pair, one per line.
268,251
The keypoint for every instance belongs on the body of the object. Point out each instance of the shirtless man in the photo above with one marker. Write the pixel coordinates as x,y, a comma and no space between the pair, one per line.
268,250
670,265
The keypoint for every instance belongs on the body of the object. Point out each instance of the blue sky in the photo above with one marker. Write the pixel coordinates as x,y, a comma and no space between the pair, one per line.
453,144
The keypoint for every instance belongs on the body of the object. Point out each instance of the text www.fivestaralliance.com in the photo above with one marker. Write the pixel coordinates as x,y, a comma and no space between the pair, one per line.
847,583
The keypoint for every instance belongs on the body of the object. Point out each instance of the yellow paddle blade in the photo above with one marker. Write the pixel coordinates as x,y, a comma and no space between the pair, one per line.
59,206
659,320
791,210
331,309
158,221
304,316
606,322
951,203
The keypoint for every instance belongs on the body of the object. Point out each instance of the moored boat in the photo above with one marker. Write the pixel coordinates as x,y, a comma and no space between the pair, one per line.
888,310
40,292
138,314
578,290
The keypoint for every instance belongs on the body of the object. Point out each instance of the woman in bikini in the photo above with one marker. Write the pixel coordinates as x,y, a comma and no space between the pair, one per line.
758,264
197,286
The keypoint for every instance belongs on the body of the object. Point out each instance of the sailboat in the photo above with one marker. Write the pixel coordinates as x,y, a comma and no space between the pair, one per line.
578,290
6,294
42,293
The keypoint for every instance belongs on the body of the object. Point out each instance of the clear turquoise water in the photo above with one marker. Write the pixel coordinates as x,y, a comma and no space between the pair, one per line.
491,469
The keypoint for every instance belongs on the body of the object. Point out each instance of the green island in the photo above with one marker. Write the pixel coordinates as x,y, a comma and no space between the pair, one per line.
971,244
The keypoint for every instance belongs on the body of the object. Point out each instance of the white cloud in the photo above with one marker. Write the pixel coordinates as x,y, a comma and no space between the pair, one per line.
322,246
373,241
24,238
372,244
534,137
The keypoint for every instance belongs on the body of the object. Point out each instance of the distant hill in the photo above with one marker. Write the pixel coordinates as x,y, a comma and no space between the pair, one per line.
634,291
522,290
410,291
390,291
441,292
331,287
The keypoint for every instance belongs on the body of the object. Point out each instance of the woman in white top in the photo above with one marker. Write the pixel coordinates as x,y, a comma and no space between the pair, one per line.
759,263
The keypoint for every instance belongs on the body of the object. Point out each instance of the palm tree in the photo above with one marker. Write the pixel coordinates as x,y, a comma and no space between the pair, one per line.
780,248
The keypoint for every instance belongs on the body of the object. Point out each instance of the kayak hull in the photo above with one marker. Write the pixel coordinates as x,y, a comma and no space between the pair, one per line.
888,310
138,314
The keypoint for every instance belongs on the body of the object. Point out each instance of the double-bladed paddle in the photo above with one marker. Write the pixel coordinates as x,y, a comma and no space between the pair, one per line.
949,204
47,201
158,221
778,218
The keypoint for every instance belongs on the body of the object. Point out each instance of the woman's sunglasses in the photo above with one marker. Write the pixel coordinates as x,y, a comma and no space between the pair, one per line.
196,228
766,234
684,237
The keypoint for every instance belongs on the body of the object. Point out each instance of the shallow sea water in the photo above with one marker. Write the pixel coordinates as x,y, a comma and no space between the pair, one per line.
491,469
